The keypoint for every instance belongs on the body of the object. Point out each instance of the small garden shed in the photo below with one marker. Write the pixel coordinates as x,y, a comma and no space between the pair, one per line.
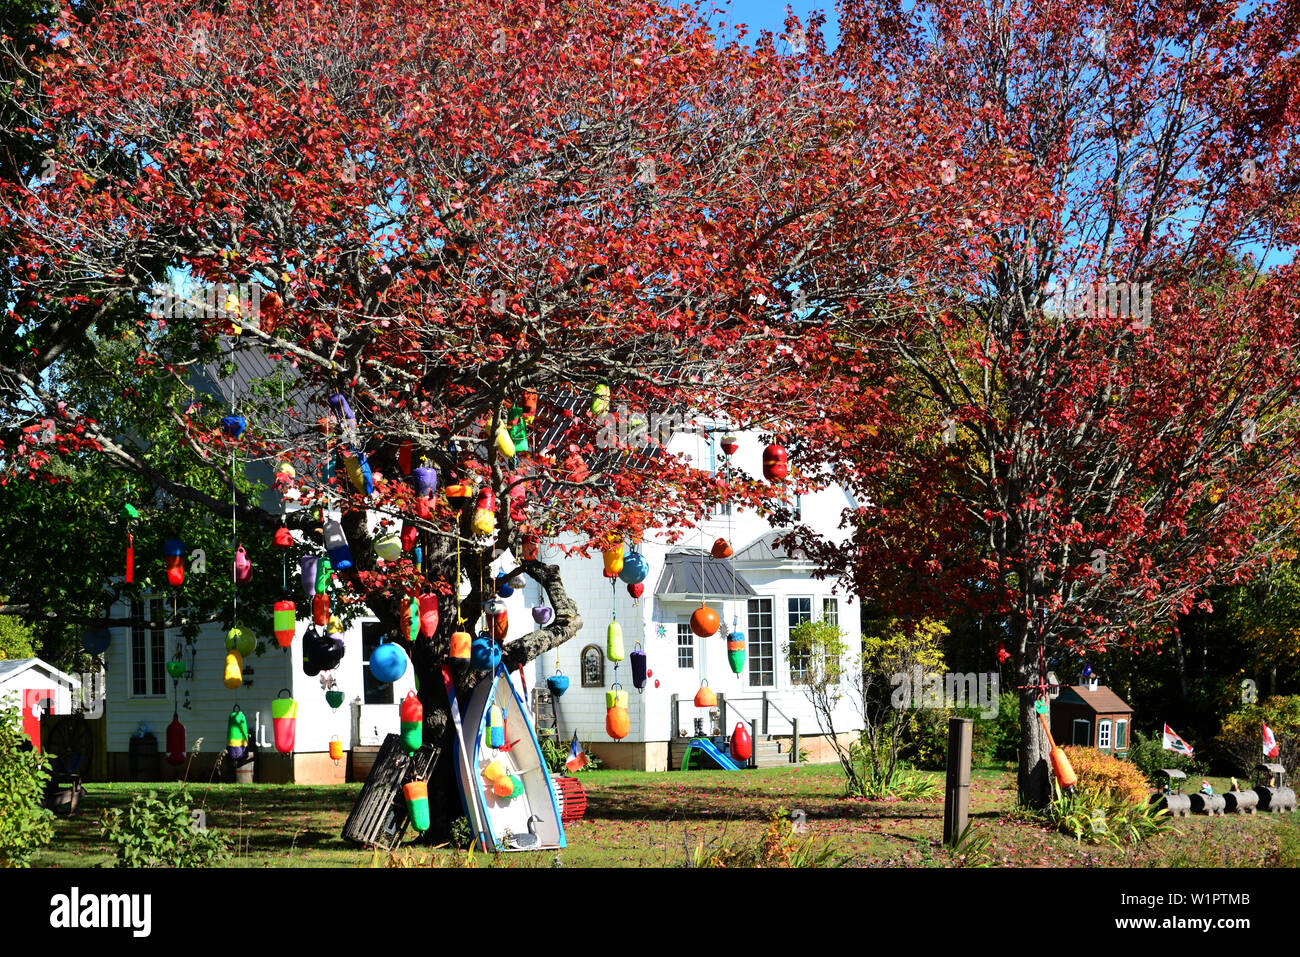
1092,715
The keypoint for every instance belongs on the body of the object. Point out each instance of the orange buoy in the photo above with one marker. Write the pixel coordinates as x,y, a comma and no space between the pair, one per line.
705,622
721,549
705,698
460,642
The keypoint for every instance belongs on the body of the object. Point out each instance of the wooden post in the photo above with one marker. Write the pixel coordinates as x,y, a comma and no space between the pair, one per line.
722,713
794,750
672,724
956,802
765,731
753,734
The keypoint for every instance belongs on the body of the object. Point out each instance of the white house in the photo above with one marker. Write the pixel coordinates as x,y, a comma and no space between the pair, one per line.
35,688
762,591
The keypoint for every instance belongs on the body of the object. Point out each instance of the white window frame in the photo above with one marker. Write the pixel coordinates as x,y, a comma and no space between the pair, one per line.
800,676
366,673
684,632
1118,723
831,610
1103,734
752,639
152,637
1074,732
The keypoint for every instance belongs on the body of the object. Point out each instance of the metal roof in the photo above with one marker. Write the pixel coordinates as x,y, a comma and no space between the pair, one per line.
764,549
696,572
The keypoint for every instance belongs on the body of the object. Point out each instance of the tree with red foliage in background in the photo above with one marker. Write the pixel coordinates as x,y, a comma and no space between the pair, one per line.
442,215
1084,414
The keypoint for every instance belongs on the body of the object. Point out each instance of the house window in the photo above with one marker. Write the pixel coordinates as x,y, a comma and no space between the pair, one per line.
800,610
1082,732
762,656
798,507
1103,735
831,611
685,645
374,692
1121,735
593,667
148,650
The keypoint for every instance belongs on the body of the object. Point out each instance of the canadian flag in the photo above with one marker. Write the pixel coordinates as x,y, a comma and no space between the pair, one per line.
1174,743
1270,743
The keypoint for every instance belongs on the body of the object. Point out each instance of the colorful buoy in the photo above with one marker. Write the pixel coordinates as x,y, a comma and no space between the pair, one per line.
174,559
243,567
542,614
705,622
175,741
614,641
638,662
721,549
742,745
416,794
387,662
460,645
428,612
736,651
705,698
635,568
775,466
485,520
336,545
412,717
284,721
284,616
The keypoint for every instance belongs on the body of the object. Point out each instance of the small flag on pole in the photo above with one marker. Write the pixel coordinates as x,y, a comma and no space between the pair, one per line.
1174,743
1270,743
577,757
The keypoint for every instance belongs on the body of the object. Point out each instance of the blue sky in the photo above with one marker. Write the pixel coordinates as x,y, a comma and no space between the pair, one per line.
770,15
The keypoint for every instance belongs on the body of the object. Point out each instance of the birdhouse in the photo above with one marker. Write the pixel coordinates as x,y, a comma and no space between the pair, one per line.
485,520
635,568
426,480
729,444
175,741
233,425
411,714
775,466
336,547
233,676
284,722
174,559
96,640
636,589
542,614
428,613
283,538
736,651
638,662
721,549
705,698
387,662
742,745
283,618
307,567
705,622
389,547
617,723
417,804
614,641
460,645
243,567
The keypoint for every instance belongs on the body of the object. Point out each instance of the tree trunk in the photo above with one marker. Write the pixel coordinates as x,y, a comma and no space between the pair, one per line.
1032,781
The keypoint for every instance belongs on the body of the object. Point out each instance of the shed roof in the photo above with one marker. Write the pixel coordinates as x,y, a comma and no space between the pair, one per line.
764,548
1101,701
695,572
12,667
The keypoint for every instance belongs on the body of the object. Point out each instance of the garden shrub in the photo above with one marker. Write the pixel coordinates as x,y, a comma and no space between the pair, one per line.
162,832
776,847
1148,755
1241,739
25,824
1108,776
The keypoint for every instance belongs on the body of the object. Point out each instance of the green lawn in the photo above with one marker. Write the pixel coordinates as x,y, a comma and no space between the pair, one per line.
637,819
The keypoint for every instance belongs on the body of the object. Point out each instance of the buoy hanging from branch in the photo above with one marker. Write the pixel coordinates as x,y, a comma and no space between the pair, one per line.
412,717
174,559
775,465
284,722
635,568
428,612
284,618
336,545
638,662
485,520
705,622
243,567
705,698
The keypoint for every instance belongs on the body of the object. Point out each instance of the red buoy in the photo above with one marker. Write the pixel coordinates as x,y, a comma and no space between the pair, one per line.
775,466
742,745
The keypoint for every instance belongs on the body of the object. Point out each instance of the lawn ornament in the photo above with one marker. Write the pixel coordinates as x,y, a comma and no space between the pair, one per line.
705,622
417,804
721,549
233,676
705,698
485,520
729,444
635,568
175,741
775,463
174,559
428,614
283,538
336,546
284,722
241,639
558,682
426,480
387,662
283,618
96,640
614,641
389,547
460,645
638,662
243,567
736,651
412,717
742,745
236,735
233,425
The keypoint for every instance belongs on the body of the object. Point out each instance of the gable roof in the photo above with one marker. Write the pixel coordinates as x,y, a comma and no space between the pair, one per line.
12,667
695,572
765,549
1101,701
